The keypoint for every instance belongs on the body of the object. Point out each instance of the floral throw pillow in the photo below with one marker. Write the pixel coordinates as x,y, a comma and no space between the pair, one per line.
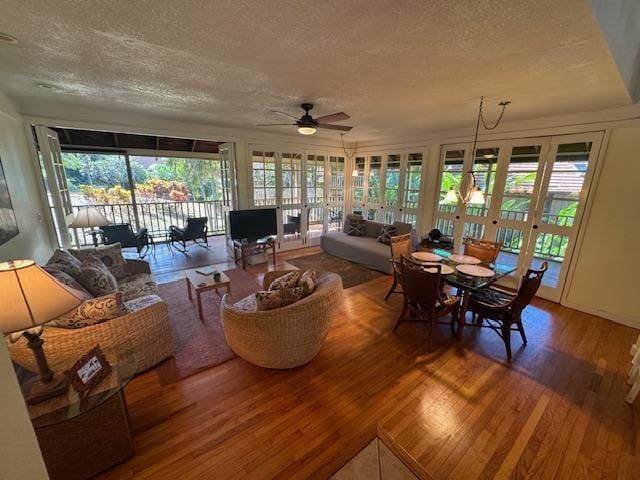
308,282
110,255
92,312
386,233
96,277
356,226
290,280
67,280
271,299
65,262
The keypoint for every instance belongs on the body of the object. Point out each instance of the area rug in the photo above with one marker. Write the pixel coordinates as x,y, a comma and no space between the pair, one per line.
199,345
351,273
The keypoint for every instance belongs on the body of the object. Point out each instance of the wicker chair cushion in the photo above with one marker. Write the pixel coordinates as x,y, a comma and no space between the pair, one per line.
247,304
139,285
92,312
290,280
67,280
110,255
491,297
355,226
386,232
96,277
65,262
307,282
272,299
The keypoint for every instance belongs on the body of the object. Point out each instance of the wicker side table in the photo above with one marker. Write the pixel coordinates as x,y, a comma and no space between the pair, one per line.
80,438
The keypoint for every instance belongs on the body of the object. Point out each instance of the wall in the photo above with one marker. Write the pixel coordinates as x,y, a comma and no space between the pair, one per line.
605,279
20,457
33,241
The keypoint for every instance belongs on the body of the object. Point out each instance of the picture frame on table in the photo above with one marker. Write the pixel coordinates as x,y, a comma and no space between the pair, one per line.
88,371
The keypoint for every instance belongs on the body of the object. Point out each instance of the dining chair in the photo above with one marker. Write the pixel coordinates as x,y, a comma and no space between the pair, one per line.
424,300
485,250
400,246
502,309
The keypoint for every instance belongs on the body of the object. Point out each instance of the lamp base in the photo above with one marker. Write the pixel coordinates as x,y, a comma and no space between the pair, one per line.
38,391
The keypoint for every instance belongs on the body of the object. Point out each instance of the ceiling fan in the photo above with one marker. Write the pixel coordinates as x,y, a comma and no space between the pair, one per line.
307,125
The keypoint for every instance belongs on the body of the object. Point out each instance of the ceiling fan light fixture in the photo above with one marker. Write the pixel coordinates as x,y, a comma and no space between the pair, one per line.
306,130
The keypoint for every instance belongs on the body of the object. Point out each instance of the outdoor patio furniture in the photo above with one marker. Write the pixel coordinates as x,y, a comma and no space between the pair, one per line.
292,225
195,230
123,234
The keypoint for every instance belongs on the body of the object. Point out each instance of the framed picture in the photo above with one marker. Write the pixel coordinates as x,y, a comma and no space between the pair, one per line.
8,224
89,371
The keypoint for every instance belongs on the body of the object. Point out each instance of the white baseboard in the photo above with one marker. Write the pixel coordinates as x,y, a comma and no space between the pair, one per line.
629,322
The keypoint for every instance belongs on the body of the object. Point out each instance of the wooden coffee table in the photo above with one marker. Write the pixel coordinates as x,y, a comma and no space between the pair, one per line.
202,283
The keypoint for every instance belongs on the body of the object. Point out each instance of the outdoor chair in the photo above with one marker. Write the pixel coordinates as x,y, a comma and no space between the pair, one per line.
502,309
123,234
195,230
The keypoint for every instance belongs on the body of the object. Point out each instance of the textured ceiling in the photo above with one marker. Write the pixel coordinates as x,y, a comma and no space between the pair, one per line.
397,67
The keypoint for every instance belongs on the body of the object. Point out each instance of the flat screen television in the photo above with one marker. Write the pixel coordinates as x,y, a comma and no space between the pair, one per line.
253,224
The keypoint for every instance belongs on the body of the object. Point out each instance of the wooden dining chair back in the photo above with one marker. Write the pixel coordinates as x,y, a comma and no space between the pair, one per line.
528,288
502,310
400,246
485,250
424,301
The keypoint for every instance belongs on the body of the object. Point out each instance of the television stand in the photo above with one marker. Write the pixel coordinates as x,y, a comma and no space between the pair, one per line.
243,249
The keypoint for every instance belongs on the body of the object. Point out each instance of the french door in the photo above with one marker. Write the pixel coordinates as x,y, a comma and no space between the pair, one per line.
534,189
306,188
387,186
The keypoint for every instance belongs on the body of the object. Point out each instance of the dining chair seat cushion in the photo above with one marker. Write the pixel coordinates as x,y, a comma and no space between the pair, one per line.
492,297
447,301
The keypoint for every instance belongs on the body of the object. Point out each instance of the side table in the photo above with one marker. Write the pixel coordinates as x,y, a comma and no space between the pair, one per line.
201,283
80,438
242,250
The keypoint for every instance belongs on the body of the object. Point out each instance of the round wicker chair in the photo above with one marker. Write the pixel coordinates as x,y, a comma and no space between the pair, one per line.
285,337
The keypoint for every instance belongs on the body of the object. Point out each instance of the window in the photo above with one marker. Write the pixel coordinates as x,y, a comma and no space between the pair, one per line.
358,183
413,181
392,181
291,178
518,189
373,190
565,185
451,177
264,178
315,179
336,179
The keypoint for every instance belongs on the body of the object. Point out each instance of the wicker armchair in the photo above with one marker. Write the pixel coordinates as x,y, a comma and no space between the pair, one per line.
285,337
145,332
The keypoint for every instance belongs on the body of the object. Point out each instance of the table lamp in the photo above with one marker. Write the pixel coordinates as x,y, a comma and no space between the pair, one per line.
31,297
89,217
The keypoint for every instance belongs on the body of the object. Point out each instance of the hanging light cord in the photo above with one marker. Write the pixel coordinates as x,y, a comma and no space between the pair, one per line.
355,150
504,105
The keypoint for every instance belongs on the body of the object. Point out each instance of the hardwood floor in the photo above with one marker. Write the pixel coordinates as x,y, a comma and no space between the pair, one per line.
557,411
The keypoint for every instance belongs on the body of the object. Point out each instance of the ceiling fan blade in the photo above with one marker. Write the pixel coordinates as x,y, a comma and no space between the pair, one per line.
343,128
285,114
273,124
334,117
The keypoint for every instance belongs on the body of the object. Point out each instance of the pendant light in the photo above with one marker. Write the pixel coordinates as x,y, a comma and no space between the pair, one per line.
474,195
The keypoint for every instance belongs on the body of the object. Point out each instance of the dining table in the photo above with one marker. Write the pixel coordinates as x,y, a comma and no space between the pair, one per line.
468,284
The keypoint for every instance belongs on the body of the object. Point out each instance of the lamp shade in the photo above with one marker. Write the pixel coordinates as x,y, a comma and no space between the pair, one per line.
451,198
477,197
89,217
30,296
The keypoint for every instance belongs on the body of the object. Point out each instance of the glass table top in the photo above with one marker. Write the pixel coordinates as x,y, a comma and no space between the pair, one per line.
70,405
468,282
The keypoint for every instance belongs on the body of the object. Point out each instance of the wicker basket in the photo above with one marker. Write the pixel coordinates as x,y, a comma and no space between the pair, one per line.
285,337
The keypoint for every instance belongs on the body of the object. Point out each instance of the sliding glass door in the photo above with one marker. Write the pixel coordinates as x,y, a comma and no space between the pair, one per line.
534,193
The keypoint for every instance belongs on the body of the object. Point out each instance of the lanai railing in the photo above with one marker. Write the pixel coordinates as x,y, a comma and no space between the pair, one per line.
158,216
